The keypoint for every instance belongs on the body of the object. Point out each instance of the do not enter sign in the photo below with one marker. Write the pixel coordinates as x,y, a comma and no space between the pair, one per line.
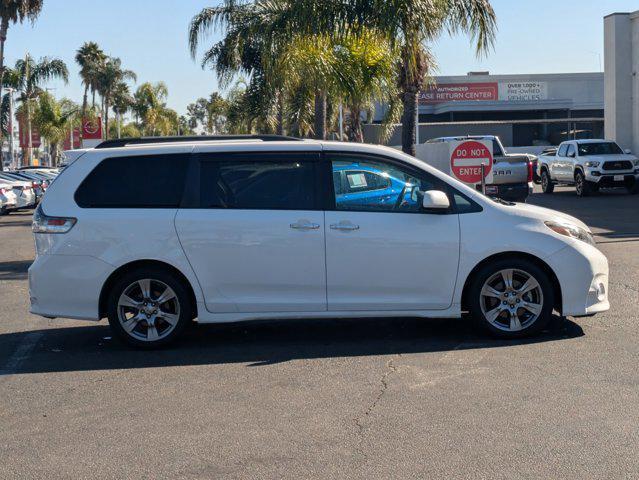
467,158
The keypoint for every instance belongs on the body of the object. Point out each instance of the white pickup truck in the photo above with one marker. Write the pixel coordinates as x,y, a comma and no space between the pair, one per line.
589,165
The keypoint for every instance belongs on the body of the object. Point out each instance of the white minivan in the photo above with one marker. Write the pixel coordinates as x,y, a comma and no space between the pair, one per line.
153,233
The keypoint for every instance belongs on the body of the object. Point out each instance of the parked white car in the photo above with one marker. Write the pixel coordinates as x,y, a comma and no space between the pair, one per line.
7,198
24,192
153,235
589,165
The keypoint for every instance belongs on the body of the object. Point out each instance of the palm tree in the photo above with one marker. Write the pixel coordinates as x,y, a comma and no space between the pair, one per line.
207,112
91,60
411,25
122,103
150,108
12,11
28,78
55,120
250,48
110,76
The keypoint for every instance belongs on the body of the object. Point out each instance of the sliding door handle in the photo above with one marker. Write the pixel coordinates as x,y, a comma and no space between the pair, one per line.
305,226
344,226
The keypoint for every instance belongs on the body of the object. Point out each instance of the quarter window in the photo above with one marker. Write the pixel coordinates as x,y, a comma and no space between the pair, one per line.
148,181
258,182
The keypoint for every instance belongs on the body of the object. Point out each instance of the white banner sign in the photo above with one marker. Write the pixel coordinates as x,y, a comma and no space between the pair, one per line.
523,91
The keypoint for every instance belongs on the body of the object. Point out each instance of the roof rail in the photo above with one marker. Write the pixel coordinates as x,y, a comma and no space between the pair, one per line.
122,142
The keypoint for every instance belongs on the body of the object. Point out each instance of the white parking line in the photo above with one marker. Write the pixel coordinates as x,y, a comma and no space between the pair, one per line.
21,353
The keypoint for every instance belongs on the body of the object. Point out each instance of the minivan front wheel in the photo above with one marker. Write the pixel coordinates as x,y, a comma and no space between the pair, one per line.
511,298
148,308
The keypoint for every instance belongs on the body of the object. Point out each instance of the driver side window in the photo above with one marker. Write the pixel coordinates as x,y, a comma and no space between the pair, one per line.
368,184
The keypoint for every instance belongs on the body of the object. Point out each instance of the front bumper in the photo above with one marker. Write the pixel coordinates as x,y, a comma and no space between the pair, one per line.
607,179
582,271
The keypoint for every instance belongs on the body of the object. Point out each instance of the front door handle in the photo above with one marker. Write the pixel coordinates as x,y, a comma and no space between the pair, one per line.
305,226
344,226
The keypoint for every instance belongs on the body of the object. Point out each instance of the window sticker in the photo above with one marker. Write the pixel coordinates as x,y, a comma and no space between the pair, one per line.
356,180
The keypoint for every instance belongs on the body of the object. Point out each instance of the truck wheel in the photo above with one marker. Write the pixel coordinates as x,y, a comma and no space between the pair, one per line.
546,183
582,186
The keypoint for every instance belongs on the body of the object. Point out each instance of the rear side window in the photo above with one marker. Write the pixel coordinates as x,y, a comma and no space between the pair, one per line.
258,182
149,181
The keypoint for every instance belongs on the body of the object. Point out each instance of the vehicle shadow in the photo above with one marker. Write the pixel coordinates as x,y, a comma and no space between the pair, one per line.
610,213
260,343
17,270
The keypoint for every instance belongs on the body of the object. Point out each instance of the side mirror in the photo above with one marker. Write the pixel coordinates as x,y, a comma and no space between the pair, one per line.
627,151
572,155
435,200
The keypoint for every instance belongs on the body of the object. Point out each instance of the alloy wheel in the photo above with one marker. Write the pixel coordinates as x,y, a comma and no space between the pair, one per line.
148,310
511,300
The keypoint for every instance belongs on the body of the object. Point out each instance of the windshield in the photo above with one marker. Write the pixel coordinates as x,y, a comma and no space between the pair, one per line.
603,148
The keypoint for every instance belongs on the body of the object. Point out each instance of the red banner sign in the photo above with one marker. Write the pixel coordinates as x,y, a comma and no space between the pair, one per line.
76,140
459,92
92,129
36,141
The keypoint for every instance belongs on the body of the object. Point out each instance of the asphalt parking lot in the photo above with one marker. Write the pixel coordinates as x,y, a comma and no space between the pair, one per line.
329,398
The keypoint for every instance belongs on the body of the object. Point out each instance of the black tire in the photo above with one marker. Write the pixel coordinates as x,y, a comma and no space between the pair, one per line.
520,267
582,186
546,183
633,189
157,276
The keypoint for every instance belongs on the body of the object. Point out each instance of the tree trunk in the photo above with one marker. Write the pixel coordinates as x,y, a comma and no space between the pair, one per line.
106,119
409,99
279,129
4,27
85,102
26,160
320,115
355,132
53,154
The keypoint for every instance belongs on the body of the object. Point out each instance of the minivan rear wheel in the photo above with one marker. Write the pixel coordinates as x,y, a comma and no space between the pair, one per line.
511,298
148,308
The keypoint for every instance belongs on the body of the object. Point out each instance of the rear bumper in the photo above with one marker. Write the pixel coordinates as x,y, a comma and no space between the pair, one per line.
67,286
510,191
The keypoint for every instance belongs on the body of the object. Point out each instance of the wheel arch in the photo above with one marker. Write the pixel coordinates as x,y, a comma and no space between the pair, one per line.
514,255
127,267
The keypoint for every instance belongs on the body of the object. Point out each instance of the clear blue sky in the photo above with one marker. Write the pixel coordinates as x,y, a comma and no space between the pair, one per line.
150,36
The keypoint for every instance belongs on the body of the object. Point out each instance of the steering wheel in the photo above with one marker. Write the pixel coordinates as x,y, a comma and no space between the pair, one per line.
400,199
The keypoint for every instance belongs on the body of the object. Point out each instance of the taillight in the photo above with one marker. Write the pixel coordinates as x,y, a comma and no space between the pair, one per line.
34,184
530,171
43,223
2,190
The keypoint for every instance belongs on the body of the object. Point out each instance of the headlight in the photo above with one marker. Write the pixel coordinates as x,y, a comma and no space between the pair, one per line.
636,162
592,164
573,231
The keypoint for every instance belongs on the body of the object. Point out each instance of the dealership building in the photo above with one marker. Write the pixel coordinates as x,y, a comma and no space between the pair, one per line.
524,110
621,45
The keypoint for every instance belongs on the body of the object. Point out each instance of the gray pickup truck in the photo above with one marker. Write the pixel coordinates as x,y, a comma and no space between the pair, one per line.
513,174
